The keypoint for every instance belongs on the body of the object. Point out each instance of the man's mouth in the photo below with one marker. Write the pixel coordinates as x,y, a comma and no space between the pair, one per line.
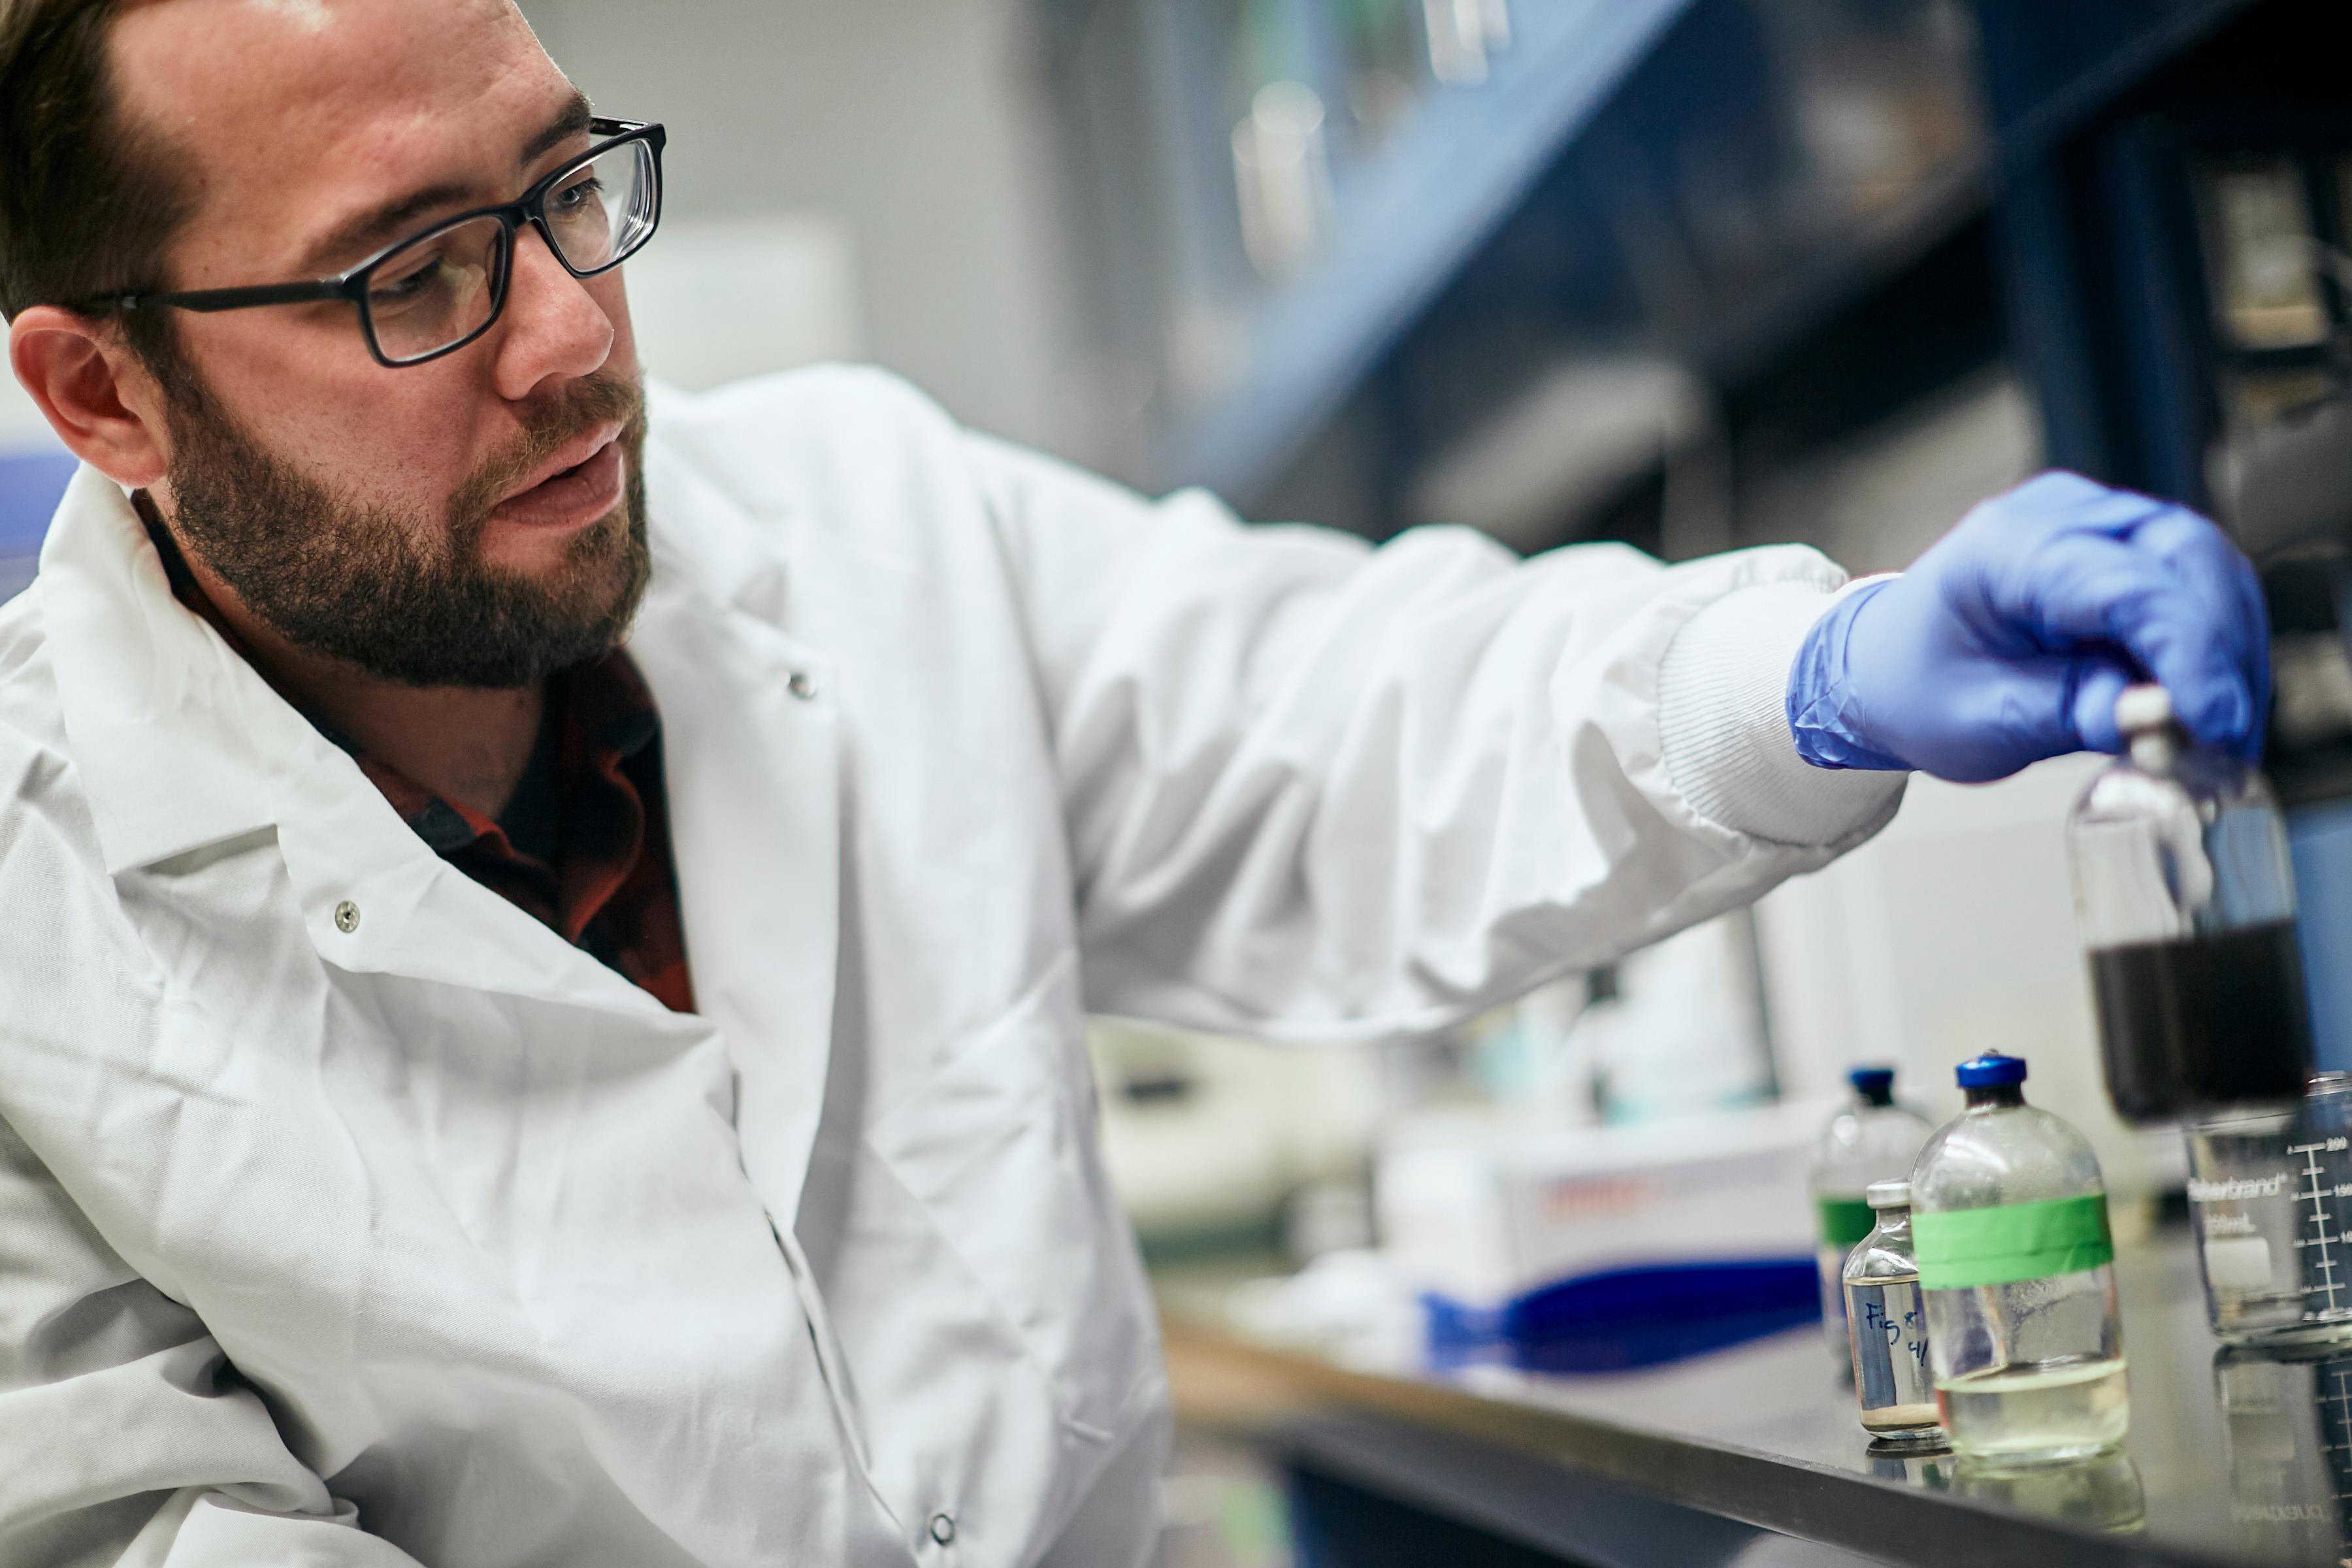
579,484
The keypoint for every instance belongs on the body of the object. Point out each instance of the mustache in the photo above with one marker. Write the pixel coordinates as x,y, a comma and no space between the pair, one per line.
562,417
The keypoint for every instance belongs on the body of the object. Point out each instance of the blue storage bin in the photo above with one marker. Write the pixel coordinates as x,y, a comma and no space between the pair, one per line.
1627,1318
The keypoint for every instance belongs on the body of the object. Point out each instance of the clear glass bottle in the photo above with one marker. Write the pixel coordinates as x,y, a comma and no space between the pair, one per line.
1871,1139
2185,900
2010,1224
1888,1324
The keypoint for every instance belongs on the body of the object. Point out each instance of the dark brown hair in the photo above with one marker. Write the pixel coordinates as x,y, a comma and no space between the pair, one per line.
88,203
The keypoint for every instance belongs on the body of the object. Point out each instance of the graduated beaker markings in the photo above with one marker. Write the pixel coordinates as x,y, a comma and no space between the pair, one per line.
2316,1193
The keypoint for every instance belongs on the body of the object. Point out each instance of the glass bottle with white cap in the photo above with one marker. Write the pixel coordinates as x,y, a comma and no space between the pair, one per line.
1887,1324
2186,903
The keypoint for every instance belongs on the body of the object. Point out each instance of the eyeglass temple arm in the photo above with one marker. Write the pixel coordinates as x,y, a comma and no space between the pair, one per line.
240,299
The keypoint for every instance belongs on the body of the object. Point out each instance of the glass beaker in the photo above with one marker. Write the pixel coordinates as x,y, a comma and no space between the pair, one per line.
2270,1194
2241,1207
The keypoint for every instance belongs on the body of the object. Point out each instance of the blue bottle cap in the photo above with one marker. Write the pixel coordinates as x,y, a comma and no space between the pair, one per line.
1990,1070
1871,1080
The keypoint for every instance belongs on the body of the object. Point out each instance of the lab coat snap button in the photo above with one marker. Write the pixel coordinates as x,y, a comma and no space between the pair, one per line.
942,1528
803,685
347,916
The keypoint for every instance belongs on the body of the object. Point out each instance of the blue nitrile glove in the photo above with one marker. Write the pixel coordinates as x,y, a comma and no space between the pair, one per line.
2009,641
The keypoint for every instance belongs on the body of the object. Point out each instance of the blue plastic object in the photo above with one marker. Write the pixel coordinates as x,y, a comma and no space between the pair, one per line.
1990,1070
2010,640
1873,1082
30,486
2319,839
1629,1318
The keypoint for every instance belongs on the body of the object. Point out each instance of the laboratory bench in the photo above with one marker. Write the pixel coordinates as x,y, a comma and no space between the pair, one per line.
1753,1455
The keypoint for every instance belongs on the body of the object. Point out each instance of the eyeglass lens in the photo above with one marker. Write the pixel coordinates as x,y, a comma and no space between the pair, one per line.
603,210
445,286
436,291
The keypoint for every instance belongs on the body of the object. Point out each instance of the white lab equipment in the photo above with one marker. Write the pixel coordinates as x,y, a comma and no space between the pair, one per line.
1478,1210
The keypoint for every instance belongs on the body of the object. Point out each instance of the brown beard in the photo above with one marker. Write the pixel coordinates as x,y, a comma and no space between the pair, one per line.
376,587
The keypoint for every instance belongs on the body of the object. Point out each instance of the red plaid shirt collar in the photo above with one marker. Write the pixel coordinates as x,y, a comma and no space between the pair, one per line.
584,847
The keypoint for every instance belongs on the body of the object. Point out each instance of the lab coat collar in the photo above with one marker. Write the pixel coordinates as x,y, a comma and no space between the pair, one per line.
179,742
181,746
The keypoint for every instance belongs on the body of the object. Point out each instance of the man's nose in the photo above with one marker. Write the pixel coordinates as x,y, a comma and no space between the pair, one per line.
554,326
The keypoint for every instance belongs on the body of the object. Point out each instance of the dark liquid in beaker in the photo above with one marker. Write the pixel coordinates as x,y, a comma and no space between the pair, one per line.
2185,1025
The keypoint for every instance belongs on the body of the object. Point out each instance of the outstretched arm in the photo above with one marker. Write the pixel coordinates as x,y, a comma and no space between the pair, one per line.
1319,790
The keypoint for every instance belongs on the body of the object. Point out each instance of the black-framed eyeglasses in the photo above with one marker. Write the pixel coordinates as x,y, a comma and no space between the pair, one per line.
437,290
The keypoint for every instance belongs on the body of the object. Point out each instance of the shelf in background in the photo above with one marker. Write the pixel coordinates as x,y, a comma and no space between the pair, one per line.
1407,221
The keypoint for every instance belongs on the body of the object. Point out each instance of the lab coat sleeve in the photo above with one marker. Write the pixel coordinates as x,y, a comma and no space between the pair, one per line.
126,1438
1318,789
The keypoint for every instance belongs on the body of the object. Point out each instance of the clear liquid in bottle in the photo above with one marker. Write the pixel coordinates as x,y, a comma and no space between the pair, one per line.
2042,1409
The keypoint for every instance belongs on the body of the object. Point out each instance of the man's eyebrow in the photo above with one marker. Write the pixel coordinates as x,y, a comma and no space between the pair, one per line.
573,121
379,224
366,230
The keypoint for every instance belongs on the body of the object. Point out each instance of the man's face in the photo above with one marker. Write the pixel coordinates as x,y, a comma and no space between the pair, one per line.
475,521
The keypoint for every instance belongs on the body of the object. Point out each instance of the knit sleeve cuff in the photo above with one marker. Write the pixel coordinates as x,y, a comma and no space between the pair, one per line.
1723,725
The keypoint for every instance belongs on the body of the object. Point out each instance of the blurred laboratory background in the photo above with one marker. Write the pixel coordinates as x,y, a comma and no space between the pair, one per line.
1685,273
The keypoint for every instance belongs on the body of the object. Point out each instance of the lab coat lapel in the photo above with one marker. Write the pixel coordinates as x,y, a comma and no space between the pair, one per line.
750,753
183,745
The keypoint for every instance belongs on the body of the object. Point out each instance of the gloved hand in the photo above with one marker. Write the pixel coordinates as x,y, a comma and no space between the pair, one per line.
2009,641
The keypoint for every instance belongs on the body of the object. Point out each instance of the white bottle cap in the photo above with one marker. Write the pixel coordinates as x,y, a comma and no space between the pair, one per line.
2143,708
1886,1195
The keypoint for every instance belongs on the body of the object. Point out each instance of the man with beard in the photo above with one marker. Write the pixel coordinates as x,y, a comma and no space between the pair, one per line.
542,1016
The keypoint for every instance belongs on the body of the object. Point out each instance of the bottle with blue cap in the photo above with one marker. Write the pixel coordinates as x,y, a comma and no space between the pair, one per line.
1871,1139
2010,1226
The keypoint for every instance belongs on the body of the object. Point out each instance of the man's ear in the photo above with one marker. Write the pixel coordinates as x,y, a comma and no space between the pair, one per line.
92,391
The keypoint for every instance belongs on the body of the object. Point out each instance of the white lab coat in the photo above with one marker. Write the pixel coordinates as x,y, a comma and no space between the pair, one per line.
436,1226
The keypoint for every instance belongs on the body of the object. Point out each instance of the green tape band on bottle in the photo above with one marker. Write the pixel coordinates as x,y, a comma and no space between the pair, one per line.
2000,1246
1842,1222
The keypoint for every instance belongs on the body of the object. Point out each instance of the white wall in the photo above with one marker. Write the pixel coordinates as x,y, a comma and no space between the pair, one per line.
916,124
